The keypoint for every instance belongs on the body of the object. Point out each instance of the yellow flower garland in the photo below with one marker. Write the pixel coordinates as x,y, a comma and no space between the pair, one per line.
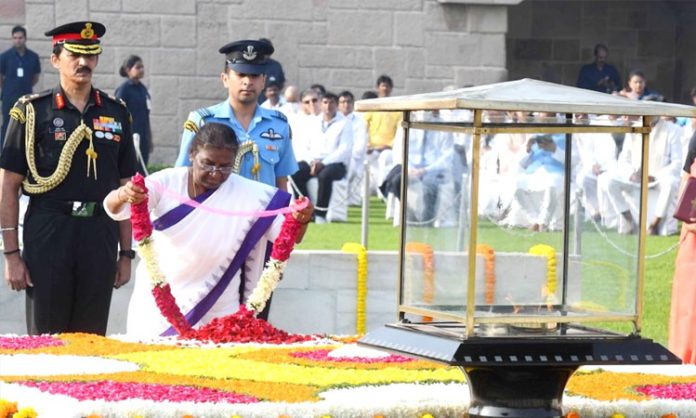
26,412
361,252
489,270
551,276
7,408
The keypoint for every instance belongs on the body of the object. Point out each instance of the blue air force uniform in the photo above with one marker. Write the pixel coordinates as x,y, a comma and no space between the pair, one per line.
268,128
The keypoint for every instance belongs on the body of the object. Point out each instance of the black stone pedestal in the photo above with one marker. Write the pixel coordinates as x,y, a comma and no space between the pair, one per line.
517,391
521,375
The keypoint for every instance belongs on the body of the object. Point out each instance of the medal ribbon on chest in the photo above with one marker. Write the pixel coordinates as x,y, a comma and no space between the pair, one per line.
44,184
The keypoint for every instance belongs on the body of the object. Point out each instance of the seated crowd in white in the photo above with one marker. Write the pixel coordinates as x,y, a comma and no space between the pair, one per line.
521,175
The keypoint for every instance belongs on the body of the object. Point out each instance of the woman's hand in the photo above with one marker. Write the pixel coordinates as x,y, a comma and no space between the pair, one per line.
691,227
130,193
304,216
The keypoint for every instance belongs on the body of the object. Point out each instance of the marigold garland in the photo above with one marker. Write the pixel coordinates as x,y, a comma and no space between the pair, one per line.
426,251
603,386
551,276
361,299
7,408
489,270
25,412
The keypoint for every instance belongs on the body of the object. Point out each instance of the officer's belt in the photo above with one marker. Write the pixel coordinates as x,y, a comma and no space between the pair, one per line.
73,208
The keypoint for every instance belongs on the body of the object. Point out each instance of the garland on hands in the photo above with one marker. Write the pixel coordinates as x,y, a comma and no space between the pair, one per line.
273,272
271,275
142,233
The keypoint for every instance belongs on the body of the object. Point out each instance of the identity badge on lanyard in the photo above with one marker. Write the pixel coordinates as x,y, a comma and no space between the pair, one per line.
20,72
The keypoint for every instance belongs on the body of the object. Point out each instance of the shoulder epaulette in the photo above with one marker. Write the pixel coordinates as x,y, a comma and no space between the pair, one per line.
190,125
29,97
280,115
196,119
18,115
107,96
204,112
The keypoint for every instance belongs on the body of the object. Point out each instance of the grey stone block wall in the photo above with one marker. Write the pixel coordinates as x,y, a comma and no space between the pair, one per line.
551,40
424,45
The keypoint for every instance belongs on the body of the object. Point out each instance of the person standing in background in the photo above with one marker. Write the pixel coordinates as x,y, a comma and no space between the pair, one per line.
599,75
381,130
19,73
273,98
682,333
137,99
274,72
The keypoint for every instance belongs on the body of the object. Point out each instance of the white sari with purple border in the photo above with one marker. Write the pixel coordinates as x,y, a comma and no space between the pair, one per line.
196,251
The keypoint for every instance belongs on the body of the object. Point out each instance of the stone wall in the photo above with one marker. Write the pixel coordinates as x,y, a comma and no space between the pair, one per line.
551,40
423,45
318,293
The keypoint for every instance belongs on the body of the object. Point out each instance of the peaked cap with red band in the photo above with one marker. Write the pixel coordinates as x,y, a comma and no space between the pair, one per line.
79,37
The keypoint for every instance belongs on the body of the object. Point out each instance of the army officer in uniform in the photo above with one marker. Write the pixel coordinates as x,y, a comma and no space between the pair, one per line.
66,148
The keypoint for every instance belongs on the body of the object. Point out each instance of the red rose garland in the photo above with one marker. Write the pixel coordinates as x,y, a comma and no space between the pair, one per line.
284,244
273,272
142,230
140,215
242,326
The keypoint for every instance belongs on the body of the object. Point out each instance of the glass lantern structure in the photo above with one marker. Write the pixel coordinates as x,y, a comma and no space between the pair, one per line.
509,268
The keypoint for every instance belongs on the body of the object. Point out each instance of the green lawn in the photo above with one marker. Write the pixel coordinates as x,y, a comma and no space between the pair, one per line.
658,270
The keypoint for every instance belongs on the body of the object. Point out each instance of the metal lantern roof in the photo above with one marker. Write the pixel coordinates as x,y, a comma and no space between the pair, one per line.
530,95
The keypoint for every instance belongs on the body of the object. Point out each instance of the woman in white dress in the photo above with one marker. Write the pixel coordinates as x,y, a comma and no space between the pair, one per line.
211,260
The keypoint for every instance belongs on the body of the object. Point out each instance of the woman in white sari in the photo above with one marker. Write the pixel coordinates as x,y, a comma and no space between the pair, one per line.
212,261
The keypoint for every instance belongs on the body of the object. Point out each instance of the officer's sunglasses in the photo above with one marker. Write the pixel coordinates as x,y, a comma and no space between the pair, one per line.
210,169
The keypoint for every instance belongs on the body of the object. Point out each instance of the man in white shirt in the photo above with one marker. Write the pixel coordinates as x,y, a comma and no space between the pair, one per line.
596,157
273,98
291,107
356,169
665,160
328,155
429,167
305,125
